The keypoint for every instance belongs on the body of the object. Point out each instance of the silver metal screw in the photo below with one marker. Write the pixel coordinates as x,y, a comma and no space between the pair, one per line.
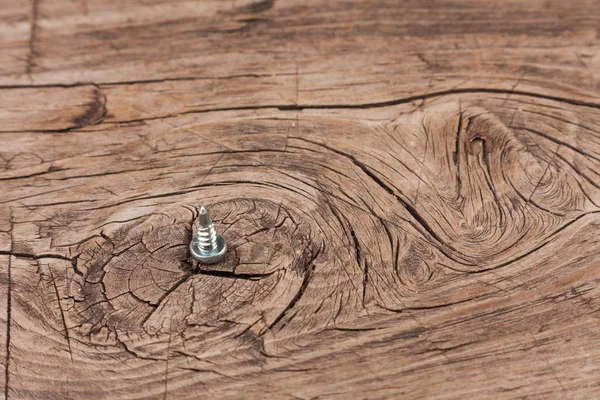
208,246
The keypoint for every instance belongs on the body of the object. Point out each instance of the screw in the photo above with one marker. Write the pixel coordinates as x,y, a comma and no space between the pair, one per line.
208,246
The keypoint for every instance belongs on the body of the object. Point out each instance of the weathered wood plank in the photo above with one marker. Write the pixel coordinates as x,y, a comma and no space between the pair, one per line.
435,47
470,226
410,194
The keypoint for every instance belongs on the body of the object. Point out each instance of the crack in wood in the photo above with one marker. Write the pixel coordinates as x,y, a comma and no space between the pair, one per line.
8,308
62,314
301,107
32,38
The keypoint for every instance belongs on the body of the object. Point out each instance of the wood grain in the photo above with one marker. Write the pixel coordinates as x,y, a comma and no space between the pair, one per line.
410,192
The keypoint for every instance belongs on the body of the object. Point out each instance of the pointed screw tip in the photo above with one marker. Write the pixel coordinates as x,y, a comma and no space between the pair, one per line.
204,219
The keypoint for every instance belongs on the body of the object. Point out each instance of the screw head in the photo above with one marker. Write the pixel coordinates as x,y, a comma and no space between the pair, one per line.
209,257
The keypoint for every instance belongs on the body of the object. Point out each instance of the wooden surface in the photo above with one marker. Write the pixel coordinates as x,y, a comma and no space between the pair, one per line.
410,191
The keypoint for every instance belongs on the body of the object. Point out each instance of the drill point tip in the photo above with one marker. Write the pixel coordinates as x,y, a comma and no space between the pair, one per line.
204,219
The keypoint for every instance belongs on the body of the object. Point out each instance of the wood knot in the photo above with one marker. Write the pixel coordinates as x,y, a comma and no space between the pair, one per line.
140,280
416,267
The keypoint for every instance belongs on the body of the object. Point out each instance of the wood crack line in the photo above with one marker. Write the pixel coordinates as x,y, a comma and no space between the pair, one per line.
300,107
305,281
419,221
8,309
62,315
32,34
545,172
295,107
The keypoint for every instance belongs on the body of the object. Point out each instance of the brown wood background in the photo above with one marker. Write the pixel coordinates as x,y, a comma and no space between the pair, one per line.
410,191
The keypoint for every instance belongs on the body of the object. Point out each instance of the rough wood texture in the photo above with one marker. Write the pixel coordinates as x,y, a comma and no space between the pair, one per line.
410,192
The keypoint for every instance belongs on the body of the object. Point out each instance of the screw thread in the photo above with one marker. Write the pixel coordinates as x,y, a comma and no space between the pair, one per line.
206,237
